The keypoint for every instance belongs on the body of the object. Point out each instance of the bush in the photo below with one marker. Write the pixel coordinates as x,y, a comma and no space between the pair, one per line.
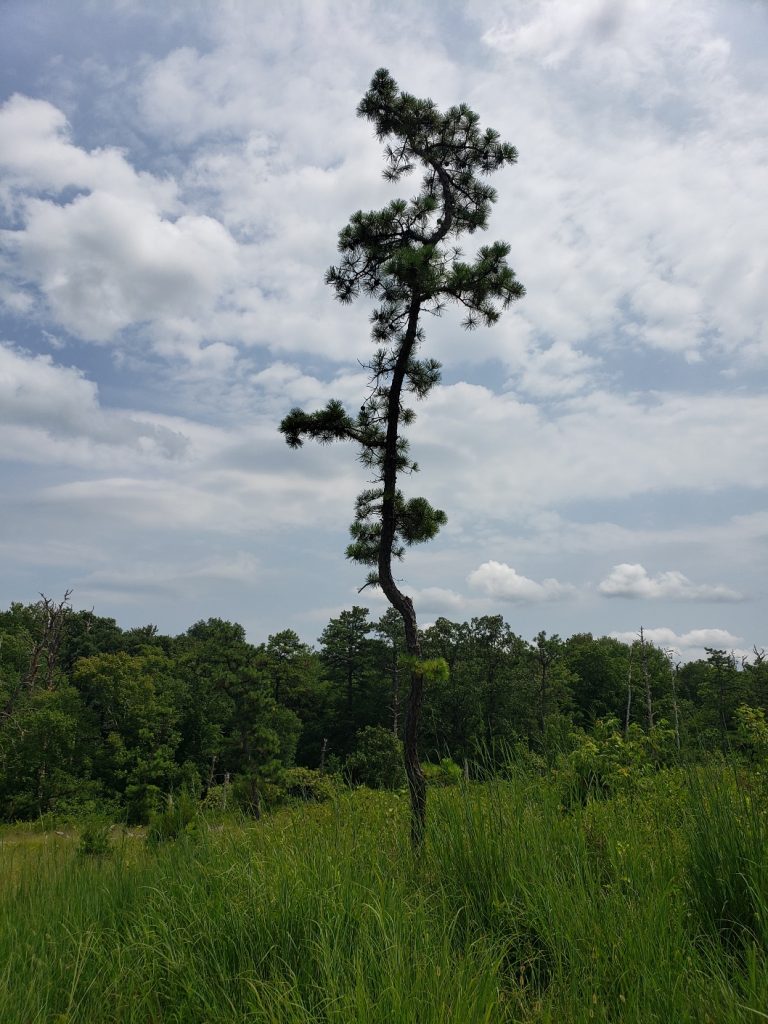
258,790
447,773
94,837
308,784
178,817
377,760
609,762
752,732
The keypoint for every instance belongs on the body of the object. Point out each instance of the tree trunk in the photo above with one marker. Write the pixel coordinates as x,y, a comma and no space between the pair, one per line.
629,693
395,693
647,681
675,710
417,785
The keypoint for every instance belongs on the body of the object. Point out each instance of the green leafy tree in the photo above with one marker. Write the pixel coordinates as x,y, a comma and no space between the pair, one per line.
453,709
135,703
495,655
299,684
232,723
722,692
377,760
43,757
352,657
390,629
756,678
552,681
405,258
601,667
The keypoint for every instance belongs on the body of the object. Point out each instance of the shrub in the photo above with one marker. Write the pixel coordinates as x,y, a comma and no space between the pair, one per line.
308,784
608,761
752,732
447,773
178,817
94,837
258,790
377,760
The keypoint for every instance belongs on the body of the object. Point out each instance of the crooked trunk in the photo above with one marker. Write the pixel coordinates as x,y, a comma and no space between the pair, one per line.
417,786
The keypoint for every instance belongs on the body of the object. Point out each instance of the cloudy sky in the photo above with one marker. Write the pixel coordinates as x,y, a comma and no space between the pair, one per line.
172,181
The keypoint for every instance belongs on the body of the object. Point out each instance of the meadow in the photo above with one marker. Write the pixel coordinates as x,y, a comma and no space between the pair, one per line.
647,906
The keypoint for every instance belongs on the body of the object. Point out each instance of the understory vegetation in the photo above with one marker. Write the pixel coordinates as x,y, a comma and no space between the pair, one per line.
199,829
97,721
646,905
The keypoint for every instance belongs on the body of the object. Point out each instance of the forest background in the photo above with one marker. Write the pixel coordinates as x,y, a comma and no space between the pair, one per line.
100,720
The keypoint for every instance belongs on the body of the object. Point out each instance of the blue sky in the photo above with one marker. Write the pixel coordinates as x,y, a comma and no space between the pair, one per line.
172,181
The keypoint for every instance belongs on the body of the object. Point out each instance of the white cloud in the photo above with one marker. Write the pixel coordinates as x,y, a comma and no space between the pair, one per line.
513,456
36,153
240,567
105,262
690,645
632,580
52,413
501,582
642,154
120,252
631,215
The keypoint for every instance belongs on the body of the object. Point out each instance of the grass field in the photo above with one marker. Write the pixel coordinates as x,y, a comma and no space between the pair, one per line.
647,908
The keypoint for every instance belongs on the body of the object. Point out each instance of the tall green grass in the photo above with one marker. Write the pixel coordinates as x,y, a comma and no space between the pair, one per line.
516,910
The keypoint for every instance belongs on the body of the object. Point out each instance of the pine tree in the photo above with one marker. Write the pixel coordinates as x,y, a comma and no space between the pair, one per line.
404,257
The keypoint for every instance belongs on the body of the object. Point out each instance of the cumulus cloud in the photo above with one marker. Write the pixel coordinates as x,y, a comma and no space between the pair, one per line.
690,645
632,580
37,153
119,252
52,413
500,581
105,262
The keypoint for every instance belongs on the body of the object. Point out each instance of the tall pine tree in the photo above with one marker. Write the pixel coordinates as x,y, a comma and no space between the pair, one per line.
405,258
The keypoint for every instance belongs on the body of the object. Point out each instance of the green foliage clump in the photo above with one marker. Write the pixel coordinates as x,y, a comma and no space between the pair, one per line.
94,837
609,761
377,760
308,784
259,789
752,732
446,773
177,818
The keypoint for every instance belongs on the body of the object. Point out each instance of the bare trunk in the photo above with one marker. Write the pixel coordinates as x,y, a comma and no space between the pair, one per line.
674,708
629,693
417,786
395,693
646,680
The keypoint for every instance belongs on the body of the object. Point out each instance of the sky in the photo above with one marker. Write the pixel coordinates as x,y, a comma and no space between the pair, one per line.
173,178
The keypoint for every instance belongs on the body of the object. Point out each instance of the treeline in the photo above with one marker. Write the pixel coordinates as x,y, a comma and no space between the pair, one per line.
92,715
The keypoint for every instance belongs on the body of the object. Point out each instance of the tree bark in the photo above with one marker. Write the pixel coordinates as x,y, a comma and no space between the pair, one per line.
395,692
417,786
647,681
